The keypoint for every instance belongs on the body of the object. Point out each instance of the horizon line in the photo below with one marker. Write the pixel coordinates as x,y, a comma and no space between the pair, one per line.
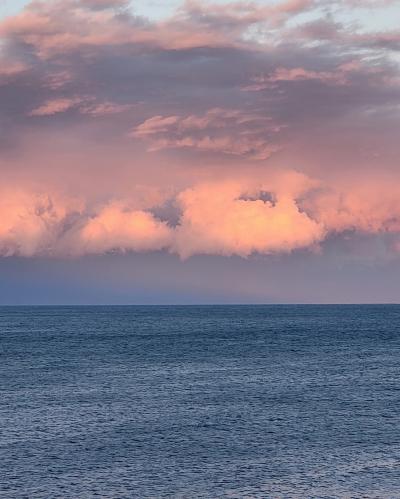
280,304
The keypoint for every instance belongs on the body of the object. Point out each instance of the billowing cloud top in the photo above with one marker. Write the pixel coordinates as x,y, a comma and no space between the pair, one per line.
232,129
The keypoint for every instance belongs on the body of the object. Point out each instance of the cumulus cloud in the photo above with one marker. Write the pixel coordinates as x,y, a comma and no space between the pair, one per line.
116,228
279,214
32,223
368,206
217,220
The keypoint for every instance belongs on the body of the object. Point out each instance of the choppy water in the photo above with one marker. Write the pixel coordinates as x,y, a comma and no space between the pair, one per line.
200,402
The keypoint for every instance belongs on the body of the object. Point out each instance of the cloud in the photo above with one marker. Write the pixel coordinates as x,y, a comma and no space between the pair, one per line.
11,69
66,26
369,206
116,228
104,4
38,224
31,222
55,106
203,111
105,108
281,74
218,130
84,105
237,17
280,213
198,59
217,220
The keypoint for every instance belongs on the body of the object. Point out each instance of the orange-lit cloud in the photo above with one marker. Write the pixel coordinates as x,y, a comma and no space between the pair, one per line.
283,213
217,219
32,223
116,228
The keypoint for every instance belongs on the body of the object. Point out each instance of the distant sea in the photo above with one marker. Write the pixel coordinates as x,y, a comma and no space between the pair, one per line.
200,402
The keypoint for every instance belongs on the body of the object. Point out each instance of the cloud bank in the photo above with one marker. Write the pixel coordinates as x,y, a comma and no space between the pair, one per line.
284,213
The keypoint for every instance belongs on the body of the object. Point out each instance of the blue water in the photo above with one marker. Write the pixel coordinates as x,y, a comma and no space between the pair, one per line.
200,402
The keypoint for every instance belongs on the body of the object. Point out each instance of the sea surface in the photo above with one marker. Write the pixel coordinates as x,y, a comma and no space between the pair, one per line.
200,402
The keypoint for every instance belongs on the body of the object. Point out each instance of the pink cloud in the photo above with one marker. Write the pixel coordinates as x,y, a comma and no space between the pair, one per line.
218,130
62,26
217,220
369,206
9,69
105,108
339,76
55,106
58,79
223,217
31,222
116,228
84,105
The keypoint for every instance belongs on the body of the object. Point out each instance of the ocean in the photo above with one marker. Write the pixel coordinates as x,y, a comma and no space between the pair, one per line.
200,402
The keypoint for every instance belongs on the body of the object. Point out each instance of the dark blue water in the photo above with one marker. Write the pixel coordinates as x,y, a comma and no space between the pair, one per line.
200,402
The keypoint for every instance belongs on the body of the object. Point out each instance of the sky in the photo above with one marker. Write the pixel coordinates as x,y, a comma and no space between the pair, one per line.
199,152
